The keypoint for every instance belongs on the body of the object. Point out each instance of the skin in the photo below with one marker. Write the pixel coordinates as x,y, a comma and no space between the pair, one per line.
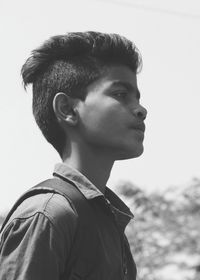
107,126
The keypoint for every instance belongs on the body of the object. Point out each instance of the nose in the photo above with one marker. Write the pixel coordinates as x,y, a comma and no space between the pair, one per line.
140,112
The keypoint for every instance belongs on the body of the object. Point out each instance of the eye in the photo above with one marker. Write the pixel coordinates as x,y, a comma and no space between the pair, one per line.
121,94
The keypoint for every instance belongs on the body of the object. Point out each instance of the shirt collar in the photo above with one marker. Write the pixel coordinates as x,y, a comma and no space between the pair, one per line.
122,213
118,207
82,183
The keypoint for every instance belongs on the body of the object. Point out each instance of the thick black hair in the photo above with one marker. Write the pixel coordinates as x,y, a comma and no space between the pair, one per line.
69,63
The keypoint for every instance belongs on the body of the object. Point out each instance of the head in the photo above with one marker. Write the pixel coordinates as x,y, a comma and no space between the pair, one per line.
72,64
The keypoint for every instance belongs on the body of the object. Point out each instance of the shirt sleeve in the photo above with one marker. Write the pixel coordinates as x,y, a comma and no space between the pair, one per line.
35,247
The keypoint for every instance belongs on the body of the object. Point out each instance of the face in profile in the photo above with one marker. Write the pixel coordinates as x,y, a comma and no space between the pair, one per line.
111,116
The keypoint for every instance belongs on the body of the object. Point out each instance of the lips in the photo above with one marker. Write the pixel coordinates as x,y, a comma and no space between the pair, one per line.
140,126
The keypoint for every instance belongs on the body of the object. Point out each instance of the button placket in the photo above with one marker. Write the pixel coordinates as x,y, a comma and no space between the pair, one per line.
125,268
124,262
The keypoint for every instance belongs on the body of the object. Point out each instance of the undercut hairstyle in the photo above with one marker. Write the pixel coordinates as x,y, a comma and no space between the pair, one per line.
69,63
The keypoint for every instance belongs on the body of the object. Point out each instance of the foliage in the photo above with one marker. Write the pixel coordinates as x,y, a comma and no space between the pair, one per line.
165,233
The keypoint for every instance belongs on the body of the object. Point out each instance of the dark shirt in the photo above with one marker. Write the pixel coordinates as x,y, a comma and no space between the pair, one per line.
38,238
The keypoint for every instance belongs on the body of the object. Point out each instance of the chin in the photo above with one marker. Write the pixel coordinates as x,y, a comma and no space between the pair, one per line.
128,154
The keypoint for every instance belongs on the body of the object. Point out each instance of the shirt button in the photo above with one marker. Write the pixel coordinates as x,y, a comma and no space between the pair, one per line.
107,201
125,270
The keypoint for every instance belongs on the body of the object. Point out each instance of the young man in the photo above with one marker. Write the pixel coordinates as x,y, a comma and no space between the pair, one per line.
87,104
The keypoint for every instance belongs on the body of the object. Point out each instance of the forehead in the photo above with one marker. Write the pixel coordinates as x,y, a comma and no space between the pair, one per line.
116,76
119,73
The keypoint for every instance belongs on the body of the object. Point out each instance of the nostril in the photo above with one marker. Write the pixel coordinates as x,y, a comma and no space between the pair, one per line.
141,114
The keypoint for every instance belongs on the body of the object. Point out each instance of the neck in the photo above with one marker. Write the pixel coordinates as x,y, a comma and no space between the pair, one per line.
92,164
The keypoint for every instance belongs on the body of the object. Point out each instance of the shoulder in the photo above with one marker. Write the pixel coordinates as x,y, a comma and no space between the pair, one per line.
40,235
54,208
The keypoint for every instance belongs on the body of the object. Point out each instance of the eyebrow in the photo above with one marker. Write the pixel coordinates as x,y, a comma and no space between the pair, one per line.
127,86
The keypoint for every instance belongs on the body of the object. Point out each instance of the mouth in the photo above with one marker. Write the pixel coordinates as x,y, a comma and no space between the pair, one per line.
139,127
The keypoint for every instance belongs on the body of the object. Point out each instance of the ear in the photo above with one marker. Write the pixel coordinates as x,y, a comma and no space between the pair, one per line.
64,109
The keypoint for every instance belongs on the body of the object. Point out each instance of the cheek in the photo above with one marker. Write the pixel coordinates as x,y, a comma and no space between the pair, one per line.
100,122
104,118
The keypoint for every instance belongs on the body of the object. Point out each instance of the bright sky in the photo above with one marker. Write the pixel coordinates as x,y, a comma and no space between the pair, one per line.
168,36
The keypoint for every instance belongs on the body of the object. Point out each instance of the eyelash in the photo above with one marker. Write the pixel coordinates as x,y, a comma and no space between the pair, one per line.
122,94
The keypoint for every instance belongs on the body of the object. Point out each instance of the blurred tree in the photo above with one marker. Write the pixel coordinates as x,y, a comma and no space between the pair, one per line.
165,233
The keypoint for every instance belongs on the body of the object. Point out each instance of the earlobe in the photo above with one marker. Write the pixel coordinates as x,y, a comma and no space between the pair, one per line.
63,107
